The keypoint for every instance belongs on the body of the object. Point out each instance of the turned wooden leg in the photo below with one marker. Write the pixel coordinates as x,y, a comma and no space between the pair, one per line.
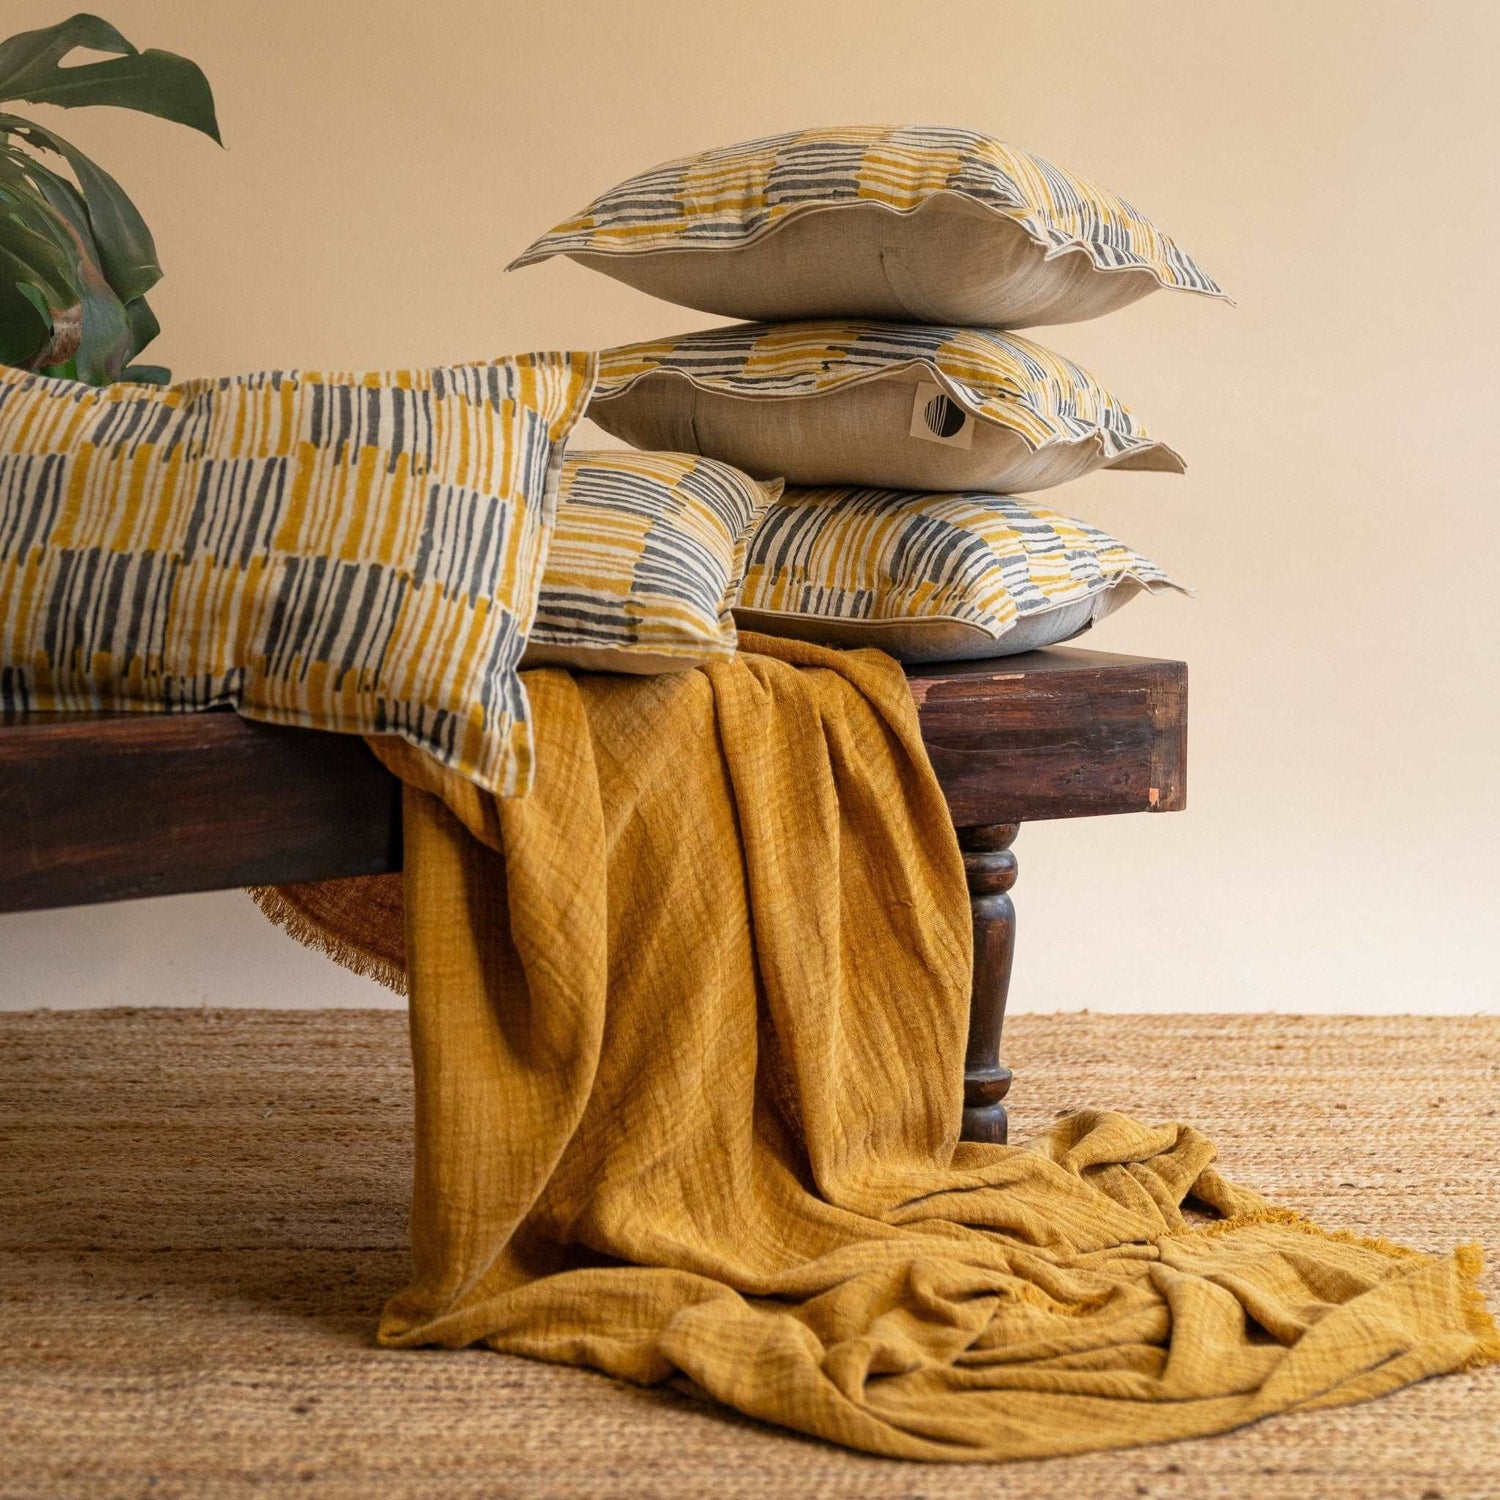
991,871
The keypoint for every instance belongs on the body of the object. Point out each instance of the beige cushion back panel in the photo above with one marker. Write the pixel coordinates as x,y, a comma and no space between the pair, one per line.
857,434
899,223
950,261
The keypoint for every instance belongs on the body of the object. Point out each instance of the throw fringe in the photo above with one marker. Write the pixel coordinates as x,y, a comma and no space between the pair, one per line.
1468,1259
1289,1218
296,924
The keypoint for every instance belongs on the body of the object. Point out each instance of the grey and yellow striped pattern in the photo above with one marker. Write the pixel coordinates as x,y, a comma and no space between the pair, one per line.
873,557
730,196
646,562
348,552
999,377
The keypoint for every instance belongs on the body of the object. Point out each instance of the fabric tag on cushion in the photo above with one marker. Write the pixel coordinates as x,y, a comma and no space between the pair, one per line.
938,418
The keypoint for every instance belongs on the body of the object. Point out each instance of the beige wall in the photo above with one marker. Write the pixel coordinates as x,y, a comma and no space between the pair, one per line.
1331,162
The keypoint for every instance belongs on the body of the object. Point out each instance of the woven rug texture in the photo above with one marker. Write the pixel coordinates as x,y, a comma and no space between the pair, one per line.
202,1212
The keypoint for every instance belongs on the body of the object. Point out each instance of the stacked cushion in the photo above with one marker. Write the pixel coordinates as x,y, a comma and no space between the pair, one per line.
882,270
903,224
886,404
646,562
359,553
933,577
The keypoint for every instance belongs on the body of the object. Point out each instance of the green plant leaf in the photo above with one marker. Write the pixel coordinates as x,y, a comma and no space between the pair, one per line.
107,341
24,262
34,53
36,260
32,231
77,260
153,82
143,324
24,331
126,250
35,298
37,277
147,374
36,285
35,244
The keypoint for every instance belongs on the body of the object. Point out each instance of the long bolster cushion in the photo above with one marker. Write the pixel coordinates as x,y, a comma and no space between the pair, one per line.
359,553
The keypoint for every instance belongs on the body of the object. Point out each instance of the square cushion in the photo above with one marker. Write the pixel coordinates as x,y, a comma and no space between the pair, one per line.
358,553
896,406
645,562
933,577
902,223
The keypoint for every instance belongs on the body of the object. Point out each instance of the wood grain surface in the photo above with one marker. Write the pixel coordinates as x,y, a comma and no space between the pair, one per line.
102,807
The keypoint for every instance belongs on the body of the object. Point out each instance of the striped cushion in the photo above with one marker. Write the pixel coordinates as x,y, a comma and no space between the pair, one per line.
933,577
853,403
349,552
645,563
925,223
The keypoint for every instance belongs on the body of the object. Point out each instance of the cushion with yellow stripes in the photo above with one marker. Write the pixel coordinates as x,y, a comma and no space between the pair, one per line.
933,577
900,406
349,552
912,223
645,563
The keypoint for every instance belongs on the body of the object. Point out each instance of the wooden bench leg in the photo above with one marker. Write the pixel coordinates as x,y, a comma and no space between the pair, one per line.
991,871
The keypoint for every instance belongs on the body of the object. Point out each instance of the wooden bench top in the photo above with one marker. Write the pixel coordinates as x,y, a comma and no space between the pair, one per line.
102,807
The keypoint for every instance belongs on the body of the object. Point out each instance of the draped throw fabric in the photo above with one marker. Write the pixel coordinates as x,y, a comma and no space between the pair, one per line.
349,552
726,199
688,1029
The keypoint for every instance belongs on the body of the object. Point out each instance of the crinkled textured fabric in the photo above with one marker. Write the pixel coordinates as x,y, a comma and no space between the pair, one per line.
688,1027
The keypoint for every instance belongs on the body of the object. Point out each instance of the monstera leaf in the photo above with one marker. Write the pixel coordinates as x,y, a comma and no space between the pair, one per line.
36,263
76,258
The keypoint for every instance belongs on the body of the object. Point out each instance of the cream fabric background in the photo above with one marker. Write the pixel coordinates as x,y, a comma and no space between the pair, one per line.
1329,163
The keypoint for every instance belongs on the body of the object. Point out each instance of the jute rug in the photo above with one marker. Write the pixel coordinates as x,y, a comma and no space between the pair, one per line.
201,1213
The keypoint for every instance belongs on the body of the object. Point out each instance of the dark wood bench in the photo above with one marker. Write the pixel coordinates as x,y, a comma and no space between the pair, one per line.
104,807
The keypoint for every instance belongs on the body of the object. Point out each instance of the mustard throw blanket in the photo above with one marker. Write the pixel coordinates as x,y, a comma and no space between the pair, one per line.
688,1025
